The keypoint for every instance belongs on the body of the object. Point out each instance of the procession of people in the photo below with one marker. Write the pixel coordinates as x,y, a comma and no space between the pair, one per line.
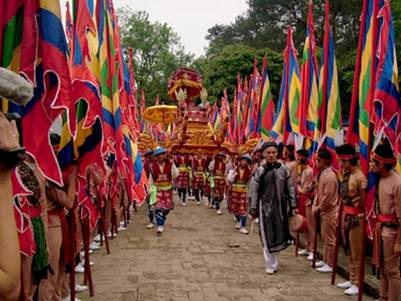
292,196
80,156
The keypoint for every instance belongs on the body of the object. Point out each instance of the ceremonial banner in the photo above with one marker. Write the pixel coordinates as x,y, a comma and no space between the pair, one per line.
33,43
267,104
308,110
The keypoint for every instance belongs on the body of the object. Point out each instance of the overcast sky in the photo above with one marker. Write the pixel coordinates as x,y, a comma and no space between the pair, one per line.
189,18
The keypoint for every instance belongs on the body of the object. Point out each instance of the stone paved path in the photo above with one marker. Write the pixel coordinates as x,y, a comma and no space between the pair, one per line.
200,257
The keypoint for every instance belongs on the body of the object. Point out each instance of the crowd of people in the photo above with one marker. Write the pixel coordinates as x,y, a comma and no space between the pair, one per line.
289,194
45,236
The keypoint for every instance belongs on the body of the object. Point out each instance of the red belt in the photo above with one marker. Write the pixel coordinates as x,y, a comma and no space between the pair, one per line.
381,220
354,211
387,218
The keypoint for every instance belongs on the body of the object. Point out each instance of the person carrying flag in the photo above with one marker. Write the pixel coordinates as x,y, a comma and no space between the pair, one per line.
305,193
58,200
352,189
10,262
326,206
387,235
162,173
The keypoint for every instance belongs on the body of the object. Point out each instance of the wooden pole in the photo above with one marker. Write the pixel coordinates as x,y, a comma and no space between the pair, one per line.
317,223
86,239
363,258
73,230
337,245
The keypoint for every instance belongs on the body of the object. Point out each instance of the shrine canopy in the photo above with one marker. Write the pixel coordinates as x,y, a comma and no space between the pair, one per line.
187,80
161,114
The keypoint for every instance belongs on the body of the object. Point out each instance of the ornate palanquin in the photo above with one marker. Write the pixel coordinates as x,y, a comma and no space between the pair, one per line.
193,133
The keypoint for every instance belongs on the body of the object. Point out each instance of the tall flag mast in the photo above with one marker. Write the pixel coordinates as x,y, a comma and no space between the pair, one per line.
310,87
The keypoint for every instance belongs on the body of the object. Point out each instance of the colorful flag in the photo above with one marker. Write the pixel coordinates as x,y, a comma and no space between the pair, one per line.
267,104
286,121
387,98
330,109
69,26
34,44
308,110
359,130
253,122
233,130
241,105
225,107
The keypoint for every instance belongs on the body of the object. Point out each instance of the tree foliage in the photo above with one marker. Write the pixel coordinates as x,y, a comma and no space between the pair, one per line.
264,25
222,69
158,51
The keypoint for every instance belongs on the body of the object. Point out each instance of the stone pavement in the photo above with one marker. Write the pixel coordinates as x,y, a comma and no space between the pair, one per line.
200,257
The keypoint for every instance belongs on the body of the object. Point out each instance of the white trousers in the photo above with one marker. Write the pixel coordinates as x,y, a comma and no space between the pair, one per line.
271,259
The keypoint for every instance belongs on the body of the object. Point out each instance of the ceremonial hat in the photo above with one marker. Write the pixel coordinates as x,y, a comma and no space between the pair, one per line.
246,157
269,144
384,153
159,151
221,154
148,152
302,153
346,151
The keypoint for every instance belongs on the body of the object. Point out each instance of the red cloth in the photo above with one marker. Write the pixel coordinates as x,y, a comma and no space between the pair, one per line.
24,227
239,193
377,238
219,178
163,181
302,201
199,167
182,180
354,211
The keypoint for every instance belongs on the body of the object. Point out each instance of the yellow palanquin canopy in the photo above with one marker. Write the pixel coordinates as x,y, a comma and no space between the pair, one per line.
161,114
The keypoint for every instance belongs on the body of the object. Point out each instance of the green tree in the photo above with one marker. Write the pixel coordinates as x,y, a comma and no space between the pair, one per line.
265,22
222,69
158,51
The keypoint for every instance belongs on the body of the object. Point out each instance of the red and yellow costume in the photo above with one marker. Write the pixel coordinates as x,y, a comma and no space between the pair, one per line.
198,167
219,172
182,180
163,180
239,192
